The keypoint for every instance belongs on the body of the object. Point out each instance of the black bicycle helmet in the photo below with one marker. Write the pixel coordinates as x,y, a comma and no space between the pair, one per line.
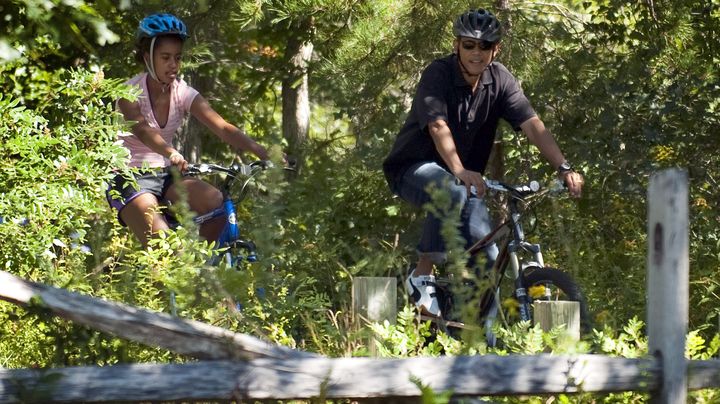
161,24
478,24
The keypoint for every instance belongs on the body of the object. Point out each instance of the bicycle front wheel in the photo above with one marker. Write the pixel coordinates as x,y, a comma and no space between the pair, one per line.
547,284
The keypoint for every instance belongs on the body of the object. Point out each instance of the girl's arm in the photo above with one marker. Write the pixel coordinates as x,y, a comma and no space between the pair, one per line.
227,132
150,136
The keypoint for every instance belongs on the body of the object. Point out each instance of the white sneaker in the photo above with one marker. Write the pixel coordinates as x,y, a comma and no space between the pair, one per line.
422,291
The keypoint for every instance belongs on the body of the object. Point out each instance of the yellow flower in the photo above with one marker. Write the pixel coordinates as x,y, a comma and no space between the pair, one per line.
536,291
511,306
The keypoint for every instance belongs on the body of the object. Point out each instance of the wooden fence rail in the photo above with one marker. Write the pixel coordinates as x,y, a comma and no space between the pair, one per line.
308,378
240,367
334,378
667,281
193,338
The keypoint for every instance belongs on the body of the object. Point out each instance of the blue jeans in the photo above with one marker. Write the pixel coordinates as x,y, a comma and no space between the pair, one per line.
475,224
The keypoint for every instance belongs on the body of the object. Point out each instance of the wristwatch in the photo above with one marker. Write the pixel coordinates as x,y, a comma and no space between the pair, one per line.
564,167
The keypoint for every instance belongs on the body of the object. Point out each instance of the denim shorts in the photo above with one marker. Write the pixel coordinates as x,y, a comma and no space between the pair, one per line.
122,191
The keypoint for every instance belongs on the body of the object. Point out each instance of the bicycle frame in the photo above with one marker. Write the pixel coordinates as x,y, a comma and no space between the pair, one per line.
230,234
511,247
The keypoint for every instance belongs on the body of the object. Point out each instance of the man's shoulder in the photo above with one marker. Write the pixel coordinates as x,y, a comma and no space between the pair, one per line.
444,63
440,70
501,71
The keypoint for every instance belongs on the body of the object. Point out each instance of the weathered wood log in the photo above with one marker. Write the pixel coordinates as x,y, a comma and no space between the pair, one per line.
306,378
703,374
193,338
557,313
374,299
667,280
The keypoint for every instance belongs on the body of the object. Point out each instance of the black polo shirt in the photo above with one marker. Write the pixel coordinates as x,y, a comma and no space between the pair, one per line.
443,94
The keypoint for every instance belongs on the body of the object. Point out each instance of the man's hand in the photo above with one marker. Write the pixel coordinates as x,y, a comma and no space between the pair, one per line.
470,179
574,182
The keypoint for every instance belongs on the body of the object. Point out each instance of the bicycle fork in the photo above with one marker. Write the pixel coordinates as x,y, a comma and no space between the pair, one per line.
230,237
521,292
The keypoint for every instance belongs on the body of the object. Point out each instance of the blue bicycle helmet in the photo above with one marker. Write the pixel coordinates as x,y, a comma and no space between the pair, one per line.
161,24
478,24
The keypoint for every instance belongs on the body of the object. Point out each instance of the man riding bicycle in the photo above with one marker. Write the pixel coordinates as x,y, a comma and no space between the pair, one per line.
447,137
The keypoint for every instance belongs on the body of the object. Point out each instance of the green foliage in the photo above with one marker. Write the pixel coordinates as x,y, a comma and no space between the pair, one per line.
627,88
75,27
55,170
54,167
407,337
629,343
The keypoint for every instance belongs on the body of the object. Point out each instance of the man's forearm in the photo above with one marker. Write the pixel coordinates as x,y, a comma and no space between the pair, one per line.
445,145
541,138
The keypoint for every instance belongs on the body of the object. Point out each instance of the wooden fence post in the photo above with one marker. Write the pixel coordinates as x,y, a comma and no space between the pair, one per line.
374,299
555,313
667,281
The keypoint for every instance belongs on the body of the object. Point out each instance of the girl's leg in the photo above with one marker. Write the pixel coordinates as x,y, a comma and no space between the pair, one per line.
143,217
202,198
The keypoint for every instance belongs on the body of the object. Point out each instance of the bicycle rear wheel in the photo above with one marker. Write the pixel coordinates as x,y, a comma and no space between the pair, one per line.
544,283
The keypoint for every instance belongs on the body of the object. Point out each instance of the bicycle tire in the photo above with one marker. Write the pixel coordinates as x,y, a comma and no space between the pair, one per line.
561,281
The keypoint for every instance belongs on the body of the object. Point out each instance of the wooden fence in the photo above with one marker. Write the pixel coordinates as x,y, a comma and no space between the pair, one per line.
232,366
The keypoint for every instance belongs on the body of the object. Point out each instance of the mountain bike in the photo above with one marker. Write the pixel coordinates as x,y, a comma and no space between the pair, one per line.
519,261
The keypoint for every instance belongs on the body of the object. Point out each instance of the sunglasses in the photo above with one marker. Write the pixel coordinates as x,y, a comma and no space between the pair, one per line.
471,45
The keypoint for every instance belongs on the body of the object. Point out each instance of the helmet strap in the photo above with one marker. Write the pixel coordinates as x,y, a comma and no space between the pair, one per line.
464,69
151,65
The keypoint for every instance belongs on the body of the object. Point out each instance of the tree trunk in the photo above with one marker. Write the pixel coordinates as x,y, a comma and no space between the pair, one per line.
189,139
295,97
496,164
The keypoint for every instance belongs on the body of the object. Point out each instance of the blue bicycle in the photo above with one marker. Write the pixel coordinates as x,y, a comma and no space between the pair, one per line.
236,249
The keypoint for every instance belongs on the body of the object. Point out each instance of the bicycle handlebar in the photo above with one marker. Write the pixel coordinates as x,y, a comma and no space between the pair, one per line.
522,191
233,170
530,188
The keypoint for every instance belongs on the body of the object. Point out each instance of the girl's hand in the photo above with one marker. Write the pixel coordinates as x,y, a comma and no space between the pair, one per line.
178,161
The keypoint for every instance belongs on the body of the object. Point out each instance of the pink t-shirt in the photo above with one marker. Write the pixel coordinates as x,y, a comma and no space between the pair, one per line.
181,98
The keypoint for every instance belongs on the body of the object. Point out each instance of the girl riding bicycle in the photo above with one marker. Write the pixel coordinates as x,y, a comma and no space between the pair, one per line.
164,102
